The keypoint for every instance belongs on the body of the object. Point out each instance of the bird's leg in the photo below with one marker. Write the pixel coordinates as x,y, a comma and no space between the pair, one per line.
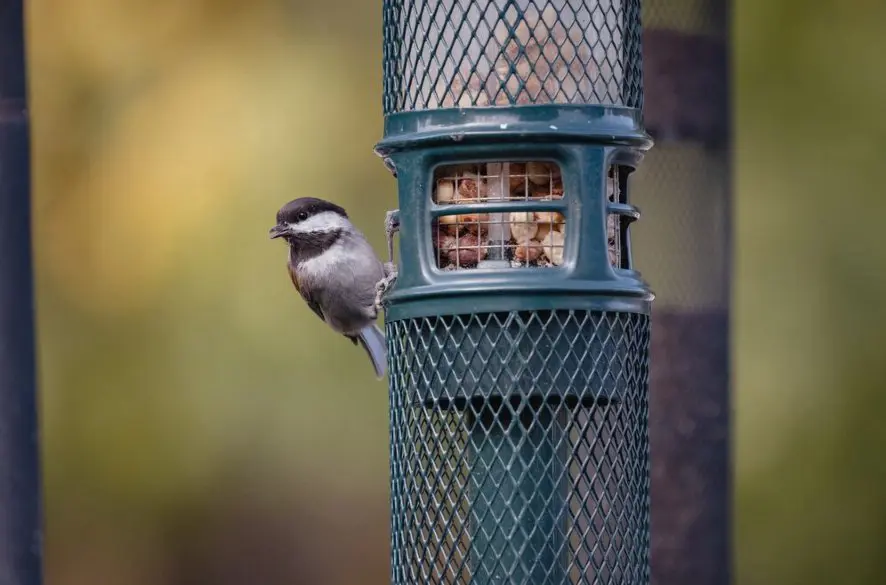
392,225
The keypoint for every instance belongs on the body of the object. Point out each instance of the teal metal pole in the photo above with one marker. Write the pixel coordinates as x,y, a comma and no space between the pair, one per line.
20,509
517,467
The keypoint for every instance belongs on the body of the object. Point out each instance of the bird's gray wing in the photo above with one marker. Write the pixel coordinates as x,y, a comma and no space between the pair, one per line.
306,294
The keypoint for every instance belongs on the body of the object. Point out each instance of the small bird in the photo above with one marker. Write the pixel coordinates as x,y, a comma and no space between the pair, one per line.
335,270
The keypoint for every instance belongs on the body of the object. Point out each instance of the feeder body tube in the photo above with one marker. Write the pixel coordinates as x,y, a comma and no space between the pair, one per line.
518,329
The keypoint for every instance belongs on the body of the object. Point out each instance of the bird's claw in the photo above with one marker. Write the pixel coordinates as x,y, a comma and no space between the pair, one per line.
392,225
385,284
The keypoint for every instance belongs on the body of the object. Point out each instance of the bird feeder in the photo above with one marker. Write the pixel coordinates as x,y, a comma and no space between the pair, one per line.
517,328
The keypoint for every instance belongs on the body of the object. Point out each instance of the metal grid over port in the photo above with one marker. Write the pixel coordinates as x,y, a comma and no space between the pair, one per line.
533,236
519,450
452,53
529,237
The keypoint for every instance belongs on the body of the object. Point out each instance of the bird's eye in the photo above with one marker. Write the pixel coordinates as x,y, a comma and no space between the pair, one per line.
302,216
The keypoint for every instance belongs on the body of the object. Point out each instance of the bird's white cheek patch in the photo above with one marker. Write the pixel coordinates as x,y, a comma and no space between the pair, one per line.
322,222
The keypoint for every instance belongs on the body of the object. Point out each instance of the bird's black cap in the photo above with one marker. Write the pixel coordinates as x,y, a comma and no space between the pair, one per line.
304,207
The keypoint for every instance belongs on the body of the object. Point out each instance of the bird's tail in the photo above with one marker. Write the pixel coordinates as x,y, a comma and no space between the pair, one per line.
373,341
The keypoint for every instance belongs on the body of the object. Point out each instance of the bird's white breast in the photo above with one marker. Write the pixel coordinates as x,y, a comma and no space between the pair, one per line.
326,262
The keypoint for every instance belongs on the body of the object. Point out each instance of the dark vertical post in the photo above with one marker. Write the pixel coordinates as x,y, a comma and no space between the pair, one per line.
20,509
684,187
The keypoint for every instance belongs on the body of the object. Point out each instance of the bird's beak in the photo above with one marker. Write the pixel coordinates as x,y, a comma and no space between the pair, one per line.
279,230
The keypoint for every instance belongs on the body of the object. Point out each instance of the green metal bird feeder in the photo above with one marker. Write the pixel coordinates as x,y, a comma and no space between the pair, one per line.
518,330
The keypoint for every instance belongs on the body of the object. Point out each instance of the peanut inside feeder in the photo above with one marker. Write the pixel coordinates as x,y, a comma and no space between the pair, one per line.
525,237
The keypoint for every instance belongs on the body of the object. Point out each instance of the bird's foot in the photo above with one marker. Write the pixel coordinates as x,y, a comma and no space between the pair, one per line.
392,225
385,284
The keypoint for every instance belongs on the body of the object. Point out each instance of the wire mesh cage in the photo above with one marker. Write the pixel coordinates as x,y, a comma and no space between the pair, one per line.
498,476
462,53
518,330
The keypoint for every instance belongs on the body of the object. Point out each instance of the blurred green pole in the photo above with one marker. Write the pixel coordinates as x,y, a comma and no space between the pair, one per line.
20,506
683,187
515,458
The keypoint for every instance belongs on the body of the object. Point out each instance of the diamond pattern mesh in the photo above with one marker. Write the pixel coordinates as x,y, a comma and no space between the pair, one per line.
470,53
519,449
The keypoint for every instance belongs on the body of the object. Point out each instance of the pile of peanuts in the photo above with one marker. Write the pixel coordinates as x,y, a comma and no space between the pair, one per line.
536,238
538,61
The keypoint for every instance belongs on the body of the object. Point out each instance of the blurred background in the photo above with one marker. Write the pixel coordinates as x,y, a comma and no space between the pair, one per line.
199,426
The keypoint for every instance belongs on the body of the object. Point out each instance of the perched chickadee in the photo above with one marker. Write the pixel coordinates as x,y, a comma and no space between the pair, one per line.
335,270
